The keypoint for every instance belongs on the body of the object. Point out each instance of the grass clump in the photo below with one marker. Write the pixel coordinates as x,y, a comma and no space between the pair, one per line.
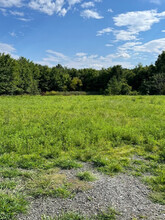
9,173
7,185
76,185
31,161
11,205
67,216
111,169
108,166
52,184
157,184
67,164
86,176
13,173
158,197
110,214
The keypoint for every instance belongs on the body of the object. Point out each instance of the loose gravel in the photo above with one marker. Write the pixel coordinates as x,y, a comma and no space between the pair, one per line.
125,193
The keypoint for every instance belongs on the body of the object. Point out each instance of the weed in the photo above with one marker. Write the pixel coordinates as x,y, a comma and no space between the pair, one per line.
66,216
9,173
110,214
86,176
7,185
12,173
11,205
158,197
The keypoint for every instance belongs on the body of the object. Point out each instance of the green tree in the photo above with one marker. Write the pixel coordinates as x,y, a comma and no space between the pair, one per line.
160,63
76,84
9,75
44,79
59,79
117,87
156,85
29,73
113,87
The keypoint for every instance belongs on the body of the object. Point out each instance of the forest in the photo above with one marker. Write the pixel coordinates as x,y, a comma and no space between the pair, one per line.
22,76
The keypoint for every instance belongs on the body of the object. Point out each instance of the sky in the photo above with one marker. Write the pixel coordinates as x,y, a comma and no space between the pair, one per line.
83,33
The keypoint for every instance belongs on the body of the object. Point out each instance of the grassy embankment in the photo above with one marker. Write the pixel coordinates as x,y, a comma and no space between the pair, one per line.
39,135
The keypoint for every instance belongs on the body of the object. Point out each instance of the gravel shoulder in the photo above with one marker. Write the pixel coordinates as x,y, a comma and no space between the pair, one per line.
125,193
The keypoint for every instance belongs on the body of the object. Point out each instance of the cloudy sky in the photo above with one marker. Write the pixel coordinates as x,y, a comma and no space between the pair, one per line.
83,33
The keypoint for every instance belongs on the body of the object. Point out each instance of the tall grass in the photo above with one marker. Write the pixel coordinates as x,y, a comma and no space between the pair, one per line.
49,131
35,131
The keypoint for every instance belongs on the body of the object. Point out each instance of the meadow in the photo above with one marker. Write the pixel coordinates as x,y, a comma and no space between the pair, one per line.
41,134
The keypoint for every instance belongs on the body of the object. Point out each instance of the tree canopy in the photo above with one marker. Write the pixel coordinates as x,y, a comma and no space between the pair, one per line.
22,76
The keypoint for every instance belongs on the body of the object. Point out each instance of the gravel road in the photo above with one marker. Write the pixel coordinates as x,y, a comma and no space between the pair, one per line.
126,194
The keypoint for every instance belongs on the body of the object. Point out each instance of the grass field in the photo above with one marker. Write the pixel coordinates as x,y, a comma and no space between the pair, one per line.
40,134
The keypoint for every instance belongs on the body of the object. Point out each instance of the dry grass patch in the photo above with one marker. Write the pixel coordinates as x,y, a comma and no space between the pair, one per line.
77,185
48,184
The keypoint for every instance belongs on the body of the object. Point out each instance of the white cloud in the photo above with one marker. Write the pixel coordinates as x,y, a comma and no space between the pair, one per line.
87,4
90,14
81,54
109,45
154,46
57,54
24,19
136,22
124,55
4,11
123,35
104,31
48,6
73,2
17,13
13,34
129,46
45,6
158,2
10,3
93,56
63,12
163,31
110,10
83,60
8,49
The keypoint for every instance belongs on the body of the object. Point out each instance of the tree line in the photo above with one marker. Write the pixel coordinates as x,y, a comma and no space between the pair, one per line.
22,76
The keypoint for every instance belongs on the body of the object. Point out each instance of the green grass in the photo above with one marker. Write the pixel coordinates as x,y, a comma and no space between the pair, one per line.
11,205
8,185
112,132
13,173
65,163
86,176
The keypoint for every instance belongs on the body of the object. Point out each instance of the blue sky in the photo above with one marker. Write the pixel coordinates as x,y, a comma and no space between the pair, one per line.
83,33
